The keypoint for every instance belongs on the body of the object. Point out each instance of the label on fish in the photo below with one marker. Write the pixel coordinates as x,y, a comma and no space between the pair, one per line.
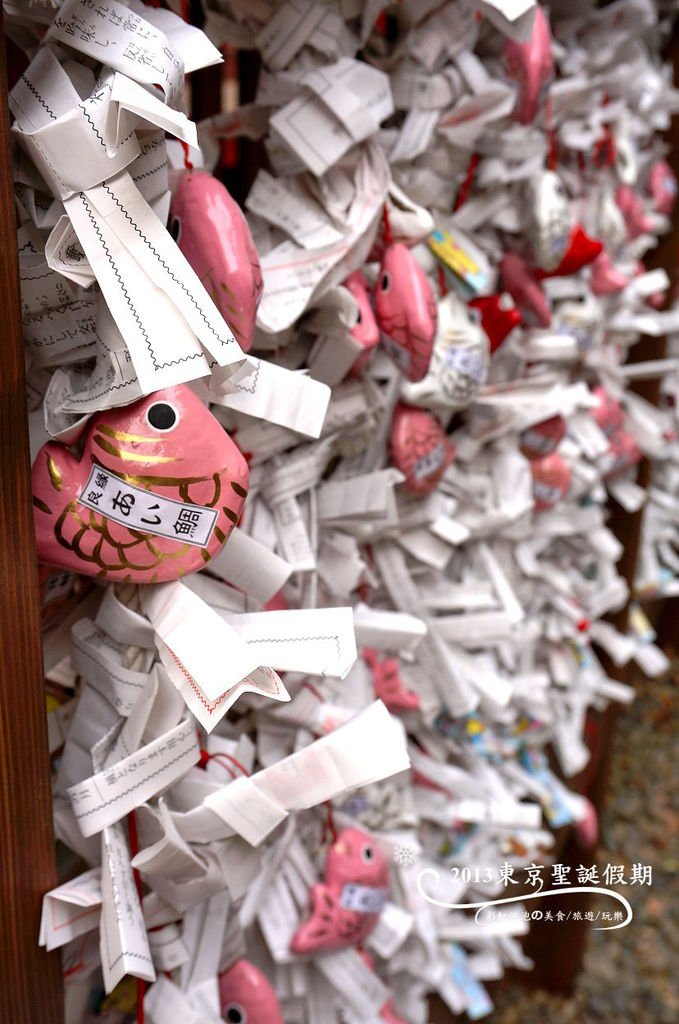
467,362
146,511
537,442
546,493
362,898
429,463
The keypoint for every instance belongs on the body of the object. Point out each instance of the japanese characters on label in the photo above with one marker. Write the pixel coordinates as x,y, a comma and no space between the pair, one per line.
144,510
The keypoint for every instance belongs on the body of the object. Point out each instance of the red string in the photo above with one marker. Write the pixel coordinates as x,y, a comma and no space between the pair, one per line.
388,237
187,163
329,825
218,756
134,850
551,136
306,685
465,187
441,275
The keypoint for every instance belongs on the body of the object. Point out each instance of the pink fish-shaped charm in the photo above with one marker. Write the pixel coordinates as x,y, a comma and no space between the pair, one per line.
531,65
157,490
607,413
499,317
365,330
604,278
551,481
247,997
631,206
405,309
623,453
419,448
346,906
518,280
542,438
662,188
388,685
212,232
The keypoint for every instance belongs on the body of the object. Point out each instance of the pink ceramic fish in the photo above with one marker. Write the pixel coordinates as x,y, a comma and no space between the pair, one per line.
499,317
346,906
530,64
419,448
387,683
212,232
157,490
662,187
604,278
405,309
551,480
247,997
542,438
632,208
607,413
623,453
518,280
365,330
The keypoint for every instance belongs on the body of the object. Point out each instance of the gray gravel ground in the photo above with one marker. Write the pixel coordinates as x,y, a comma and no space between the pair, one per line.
630,976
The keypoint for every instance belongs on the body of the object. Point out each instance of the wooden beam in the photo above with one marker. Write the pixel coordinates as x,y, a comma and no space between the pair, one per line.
30,979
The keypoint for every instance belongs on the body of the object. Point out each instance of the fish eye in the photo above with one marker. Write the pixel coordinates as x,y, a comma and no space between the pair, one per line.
162,416
176,229
367,854
474,314
385,281
235,1014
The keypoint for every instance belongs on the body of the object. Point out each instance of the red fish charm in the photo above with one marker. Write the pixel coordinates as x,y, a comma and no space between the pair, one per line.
559,245
157,490
419,448
210,229
581,251
246,996
551,481
542,438
346,906
499,317
623,453
405,308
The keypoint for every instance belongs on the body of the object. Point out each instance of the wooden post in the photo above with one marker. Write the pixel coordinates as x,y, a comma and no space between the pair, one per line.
30,979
